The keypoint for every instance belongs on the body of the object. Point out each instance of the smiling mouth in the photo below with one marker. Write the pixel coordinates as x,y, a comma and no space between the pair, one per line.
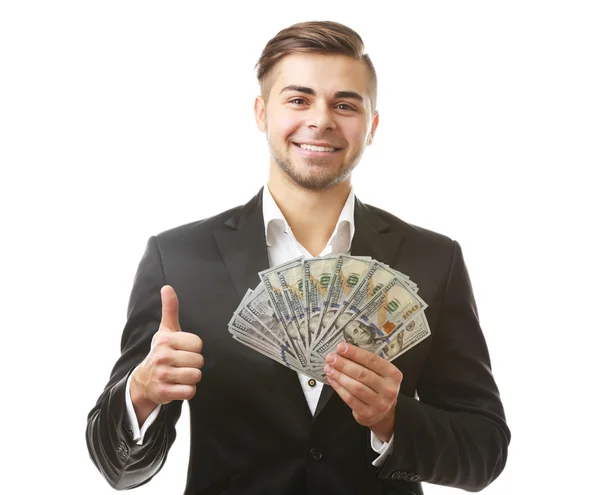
318,149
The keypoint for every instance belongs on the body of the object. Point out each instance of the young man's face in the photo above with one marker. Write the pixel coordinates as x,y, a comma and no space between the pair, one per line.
317,100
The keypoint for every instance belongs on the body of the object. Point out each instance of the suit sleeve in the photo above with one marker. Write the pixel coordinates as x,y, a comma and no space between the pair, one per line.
455,434
110,442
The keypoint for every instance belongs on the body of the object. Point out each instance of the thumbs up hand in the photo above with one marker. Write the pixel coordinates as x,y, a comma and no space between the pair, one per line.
171,369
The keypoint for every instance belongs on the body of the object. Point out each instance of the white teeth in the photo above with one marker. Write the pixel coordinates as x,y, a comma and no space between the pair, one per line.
310,147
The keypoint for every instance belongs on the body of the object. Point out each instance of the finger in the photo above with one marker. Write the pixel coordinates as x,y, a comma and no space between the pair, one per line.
183,376
369,360
170,309
358,406
177,340
176,391
358,389
186,359
186,341
357,371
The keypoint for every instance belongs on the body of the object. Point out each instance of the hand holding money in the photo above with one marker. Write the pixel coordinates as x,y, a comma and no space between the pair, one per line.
302,309
368,384
171,369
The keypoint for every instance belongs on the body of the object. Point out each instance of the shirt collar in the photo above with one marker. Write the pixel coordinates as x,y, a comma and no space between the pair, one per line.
274,218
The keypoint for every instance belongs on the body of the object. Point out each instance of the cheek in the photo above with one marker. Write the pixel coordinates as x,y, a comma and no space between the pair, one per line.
356,133
283,125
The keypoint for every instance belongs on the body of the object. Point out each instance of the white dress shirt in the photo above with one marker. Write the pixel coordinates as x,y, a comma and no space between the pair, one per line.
282,246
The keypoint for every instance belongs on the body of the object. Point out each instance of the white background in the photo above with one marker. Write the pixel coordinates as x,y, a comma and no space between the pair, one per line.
121,119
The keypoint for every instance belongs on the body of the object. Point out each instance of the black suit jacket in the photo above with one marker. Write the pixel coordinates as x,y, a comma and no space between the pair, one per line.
251,429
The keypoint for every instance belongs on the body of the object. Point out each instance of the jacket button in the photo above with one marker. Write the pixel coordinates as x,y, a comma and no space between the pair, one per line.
122,450
316,454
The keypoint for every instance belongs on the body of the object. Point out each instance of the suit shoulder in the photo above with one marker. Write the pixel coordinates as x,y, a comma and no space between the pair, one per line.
414,232
198,228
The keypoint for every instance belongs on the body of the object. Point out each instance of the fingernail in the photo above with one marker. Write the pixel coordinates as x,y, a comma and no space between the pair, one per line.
330,358
328,369
342,348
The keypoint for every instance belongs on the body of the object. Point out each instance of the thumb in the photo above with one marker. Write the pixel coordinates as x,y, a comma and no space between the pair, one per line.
170,309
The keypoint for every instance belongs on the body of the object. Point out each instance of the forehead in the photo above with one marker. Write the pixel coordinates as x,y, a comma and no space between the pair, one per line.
323,73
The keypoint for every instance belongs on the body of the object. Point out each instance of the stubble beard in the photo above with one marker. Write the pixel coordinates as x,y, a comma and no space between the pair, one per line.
314,181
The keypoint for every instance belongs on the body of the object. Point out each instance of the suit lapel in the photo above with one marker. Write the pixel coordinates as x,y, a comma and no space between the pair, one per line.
371,238
243,246
244,250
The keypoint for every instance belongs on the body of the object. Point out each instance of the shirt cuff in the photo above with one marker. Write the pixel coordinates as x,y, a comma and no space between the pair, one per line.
137,432
382,448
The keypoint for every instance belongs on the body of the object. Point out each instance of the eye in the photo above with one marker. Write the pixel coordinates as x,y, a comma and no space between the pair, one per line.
300,100
348,107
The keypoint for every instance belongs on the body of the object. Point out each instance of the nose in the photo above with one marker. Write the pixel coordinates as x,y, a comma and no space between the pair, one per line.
321,117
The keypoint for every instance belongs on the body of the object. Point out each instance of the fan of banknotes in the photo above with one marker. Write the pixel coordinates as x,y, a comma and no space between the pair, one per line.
301,310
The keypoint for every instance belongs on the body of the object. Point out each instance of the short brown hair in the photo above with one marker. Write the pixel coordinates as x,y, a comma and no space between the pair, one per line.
326,37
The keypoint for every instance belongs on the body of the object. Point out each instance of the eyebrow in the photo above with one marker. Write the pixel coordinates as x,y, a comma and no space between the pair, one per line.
353,95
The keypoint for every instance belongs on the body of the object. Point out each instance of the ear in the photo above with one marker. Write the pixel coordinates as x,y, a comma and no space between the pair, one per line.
259,113
374,124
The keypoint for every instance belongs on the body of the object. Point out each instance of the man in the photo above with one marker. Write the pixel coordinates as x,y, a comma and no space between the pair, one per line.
256,426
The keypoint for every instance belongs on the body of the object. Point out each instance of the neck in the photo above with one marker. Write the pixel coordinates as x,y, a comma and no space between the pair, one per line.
311,214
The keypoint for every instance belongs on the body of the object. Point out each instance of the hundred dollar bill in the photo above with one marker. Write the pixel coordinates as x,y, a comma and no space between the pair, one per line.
260,304
240,327
368,327
413,332
376,277
347,275
402,276
410,284
244,324
244,334
291,278
251,320
274,292
318,273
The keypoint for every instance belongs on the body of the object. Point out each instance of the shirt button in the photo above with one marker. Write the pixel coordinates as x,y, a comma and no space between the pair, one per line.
312,382
316,454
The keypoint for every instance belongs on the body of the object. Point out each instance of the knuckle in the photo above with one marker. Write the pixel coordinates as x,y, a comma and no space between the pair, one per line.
163,391
161,357
199,344
397,375
363,375
200,361
372,359
162,338
383,404
162,373
390,393
355,388
196,375
189,392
